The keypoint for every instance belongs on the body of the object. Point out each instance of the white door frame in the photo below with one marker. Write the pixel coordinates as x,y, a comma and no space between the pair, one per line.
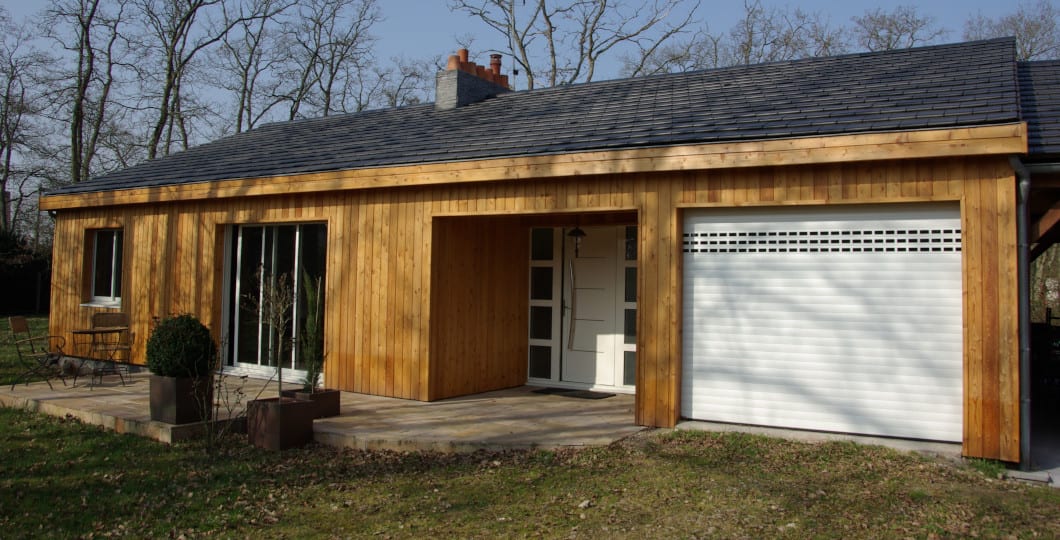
620,349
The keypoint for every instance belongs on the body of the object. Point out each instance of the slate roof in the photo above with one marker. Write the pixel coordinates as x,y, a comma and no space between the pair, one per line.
1040,104
945,86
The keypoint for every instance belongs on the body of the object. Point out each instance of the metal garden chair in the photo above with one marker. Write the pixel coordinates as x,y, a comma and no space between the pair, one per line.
39,355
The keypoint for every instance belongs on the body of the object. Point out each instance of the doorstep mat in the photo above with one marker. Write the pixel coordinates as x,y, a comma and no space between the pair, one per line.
579,394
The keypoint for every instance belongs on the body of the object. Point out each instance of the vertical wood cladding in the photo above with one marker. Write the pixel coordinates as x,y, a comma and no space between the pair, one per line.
479,305
426,286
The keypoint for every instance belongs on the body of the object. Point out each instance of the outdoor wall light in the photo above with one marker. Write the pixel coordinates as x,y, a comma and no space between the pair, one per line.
577,234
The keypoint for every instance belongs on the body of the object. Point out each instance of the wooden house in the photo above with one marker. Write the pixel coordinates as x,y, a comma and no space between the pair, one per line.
827,244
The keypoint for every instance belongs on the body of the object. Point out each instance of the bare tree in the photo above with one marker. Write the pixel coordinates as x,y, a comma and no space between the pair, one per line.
330,51
95,43
410,81
772,34
517,25
1033,25
177,32
21,67
247,60
763,34
901,28
704,50
563,42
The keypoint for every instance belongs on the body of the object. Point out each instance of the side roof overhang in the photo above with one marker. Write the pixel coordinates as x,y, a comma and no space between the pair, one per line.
1040,105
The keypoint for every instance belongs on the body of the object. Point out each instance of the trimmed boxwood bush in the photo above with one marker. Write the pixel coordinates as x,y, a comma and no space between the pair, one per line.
181,346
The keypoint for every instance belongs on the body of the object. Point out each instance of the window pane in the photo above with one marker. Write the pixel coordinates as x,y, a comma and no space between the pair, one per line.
540,362
274,248
631,243
284,254
540,322
631,326
541,244
541,283
313,242
118,245
249,261
314,249
629,368
631,284
103,263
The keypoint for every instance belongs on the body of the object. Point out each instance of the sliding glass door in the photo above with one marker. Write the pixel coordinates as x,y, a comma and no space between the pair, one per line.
273,271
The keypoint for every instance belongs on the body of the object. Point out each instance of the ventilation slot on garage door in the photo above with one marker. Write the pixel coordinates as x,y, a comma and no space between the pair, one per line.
826,241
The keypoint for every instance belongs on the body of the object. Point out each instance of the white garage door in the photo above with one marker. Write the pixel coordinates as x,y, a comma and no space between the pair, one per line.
835,319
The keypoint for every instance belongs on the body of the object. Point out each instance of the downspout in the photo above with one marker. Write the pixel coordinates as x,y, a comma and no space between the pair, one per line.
1023,177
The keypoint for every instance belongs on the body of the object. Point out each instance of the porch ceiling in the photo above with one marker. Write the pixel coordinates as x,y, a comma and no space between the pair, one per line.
1044,209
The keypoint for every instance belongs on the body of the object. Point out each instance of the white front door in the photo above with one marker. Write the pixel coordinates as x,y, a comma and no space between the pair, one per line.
583,309
590,322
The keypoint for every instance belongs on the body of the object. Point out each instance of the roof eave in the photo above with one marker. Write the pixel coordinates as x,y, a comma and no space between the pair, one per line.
997,139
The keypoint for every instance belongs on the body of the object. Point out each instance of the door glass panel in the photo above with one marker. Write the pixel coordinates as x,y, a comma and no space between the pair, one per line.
629,368
540,362
631,243
541,283
631,284
540,322
248,262
541,244
631,326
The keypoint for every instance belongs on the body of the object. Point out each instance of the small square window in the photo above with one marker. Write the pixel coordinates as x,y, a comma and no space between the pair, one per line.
540,322
629,368
540,362
631,243
541,283
630,325
541,244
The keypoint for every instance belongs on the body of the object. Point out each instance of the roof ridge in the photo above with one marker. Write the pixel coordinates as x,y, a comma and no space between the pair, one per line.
758,65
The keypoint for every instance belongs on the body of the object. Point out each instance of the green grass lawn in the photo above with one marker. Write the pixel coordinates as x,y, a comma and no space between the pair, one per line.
63,479
60,478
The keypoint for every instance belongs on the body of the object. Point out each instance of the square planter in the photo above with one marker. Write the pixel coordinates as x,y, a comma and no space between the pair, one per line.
181,400
276,425
327,400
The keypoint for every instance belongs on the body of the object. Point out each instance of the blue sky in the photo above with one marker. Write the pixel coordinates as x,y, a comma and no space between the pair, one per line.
419,28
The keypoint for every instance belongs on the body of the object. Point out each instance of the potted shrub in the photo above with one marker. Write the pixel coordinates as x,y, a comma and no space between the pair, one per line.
311,345
281,422
181,355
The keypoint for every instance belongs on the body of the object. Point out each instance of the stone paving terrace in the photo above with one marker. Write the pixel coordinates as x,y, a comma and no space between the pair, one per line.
512,418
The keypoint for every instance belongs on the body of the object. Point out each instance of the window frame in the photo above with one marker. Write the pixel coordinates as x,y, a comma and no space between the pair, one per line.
116,266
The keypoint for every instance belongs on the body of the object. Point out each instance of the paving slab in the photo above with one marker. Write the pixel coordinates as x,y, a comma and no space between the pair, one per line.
503,419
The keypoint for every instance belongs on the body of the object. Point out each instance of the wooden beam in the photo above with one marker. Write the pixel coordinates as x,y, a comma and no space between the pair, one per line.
1046,183
1044,244
1046,223
988,140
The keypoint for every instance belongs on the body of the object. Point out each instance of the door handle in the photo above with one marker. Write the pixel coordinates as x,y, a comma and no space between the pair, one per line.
573,305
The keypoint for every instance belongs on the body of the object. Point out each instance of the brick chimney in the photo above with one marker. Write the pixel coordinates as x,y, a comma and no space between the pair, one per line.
465,82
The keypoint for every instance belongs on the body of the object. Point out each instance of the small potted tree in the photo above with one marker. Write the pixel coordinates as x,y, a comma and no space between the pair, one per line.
311,345
181,355
281,422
